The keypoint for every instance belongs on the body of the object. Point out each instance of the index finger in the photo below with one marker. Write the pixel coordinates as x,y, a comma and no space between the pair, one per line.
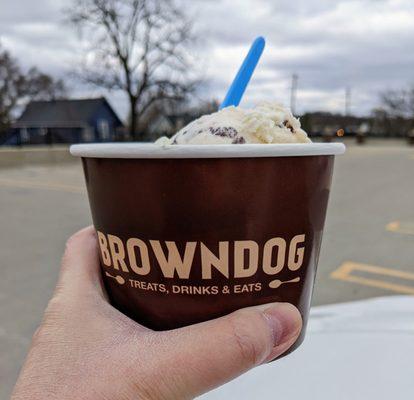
80,269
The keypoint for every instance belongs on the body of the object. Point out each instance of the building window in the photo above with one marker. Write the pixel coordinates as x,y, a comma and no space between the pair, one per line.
24,135
87,135
103,129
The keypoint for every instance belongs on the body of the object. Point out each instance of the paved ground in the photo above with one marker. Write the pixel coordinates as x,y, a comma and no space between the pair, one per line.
367,249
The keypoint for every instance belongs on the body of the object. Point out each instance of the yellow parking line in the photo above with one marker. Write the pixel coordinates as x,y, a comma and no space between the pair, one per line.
344,273
41,185
401,227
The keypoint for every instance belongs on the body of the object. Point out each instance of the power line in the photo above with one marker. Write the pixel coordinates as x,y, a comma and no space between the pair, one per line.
293,91
347,100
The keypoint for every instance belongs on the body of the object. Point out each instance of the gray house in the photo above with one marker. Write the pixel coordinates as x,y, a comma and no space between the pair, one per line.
67,121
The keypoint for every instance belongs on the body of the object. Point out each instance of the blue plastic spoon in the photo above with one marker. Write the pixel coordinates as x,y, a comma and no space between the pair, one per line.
240,82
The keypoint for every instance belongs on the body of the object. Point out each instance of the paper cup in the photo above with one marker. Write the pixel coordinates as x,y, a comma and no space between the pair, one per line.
188,233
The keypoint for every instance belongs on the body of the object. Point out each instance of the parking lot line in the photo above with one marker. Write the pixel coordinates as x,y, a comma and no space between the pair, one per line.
17,183
401,227
344,273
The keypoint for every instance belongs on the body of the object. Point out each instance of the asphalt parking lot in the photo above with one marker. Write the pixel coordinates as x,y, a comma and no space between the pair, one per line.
367,248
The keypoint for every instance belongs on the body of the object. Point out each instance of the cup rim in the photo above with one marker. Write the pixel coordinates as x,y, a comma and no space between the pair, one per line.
151,150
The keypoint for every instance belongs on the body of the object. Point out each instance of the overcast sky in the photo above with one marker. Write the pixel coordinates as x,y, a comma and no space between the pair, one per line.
364,44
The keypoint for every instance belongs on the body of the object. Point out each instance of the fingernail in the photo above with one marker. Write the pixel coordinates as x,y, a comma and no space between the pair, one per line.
284,322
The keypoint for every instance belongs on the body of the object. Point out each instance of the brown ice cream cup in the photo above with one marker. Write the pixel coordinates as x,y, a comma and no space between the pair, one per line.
188,233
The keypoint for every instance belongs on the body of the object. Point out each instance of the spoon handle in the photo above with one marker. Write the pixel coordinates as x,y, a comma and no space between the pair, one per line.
242,79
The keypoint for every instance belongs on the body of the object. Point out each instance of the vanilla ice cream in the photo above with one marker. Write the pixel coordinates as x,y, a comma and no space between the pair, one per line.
266,123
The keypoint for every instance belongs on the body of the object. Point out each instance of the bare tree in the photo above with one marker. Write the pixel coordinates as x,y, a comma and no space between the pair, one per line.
138,47
18,88
41,86
12,87
410,102
397,110
396,102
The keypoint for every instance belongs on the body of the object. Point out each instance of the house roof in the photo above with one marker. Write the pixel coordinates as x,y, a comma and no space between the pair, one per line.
63,113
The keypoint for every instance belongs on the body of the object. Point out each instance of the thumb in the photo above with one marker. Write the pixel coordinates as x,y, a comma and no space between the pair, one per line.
209,354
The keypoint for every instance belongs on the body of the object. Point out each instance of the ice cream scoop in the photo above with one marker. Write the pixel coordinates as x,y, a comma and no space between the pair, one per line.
266,123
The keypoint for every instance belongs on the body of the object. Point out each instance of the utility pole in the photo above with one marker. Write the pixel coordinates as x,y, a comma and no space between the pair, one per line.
347,100
293,90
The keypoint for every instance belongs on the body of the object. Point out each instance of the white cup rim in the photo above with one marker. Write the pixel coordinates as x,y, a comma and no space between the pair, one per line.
151,150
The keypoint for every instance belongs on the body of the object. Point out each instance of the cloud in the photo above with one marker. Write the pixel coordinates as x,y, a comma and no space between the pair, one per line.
363,44
330,45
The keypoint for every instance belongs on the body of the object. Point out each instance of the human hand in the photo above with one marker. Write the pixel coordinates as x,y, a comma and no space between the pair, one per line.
86,349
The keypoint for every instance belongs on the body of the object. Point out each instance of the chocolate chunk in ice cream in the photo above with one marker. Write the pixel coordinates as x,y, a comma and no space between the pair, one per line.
266,123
